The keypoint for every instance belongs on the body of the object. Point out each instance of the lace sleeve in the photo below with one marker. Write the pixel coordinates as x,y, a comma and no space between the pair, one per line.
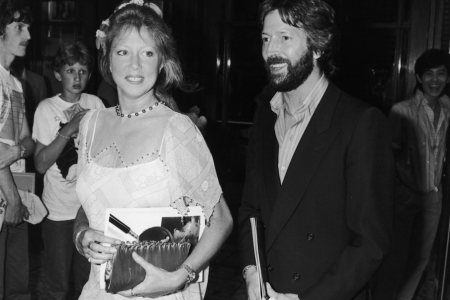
193,178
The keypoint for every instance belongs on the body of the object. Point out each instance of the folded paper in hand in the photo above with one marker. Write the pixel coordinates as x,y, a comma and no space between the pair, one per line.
35,207
25,185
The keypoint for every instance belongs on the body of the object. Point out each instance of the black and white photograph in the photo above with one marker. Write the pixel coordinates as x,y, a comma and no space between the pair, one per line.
225,149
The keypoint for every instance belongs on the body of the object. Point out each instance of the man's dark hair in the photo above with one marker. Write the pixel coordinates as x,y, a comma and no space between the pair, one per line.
317,19
70,53
432,59
8,13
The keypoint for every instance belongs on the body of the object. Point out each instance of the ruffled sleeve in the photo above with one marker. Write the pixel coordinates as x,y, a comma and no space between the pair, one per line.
192,175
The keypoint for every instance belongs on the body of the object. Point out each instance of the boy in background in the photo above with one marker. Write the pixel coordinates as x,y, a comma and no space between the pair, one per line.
55,131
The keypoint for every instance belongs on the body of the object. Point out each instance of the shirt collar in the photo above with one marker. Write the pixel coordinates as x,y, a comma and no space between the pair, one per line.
311,101
420,100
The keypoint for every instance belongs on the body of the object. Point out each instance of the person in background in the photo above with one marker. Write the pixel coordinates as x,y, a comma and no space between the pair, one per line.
55,130
144,154
320,169
34,91
15,145
419,127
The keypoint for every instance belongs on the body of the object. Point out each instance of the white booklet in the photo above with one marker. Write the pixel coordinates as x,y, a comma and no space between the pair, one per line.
158,223
262,284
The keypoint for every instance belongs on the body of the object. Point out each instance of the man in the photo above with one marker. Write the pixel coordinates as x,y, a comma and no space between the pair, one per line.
419,127
319,167
15,145
34,91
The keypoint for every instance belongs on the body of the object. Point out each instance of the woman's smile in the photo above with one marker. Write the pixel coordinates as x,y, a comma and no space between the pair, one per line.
135,79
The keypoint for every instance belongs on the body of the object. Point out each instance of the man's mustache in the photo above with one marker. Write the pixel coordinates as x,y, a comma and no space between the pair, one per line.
276,60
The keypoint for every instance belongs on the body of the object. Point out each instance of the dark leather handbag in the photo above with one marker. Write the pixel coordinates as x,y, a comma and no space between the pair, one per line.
125,273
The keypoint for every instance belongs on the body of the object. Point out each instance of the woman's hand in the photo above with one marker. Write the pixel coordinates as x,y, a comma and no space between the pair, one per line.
157,282
90,242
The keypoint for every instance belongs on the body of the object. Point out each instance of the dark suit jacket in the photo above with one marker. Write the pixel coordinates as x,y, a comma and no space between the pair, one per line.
327,227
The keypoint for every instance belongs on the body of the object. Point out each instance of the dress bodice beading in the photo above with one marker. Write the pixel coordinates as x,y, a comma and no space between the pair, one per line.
180,174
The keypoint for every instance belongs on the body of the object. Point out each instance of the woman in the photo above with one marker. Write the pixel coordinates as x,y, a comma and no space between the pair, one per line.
144,154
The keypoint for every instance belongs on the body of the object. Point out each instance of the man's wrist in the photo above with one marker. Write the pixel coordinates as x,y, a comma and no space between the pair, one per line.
23,151
17,152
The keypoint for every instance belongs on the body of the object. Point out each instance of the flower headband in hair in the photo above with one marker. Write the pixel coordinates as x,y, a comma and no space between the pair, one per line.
101,35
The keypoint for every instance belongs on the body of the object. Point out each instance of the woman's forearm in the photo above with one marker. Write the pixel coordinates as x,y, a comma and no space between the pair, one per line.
214,235
81,223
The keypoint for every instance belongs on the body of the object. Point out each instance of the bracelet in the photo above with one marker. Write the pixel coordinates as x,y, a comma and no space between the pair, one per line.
244,272
23,151
191,273
80,250
63,136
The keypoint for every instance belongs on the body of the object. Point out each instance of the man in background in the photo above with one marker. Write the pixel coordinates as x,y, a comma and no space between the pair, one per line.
419,127
15,145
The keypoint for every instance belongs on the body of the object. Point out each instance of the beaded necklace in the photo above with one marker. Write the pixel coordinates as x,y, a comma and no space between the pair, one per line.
120,114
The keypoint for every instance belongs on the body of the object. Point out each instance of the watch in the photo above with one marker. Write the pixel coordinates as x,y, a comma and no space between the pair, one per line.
23,151
191,273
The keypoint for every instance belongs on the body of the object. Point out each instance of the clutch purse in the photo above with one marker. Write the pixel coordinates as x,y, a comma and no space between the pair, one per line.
125,273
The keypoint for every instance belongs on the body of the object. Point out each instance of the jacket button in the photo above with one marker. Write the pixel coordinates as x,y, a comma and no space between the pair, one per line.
310,236
269,268
296,276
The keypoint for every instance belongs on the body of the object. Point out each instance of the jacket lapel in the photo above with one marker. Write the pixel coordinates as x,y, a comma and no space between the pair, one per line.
313,145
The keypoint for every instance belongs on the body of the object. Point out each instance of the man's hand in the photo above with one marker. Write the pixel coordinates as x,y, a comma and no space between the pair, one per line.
252,281
15,212
277,296
9,154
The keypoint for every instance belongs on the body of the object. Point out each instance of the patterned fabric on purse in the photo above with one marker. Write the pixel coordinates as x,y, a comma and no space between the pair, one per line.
125,273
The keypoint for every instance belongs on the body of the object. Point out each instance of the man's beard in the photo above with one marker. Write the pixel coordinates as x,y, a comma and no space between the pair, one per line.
296,74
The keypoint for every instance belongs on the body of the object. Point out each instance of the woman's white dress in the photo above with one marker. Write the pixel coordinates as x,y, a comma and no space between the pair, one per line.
180,173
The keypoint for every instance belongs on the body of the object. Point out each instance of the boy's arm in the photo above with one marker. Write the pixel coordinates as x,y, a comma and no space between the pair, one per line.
46,156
